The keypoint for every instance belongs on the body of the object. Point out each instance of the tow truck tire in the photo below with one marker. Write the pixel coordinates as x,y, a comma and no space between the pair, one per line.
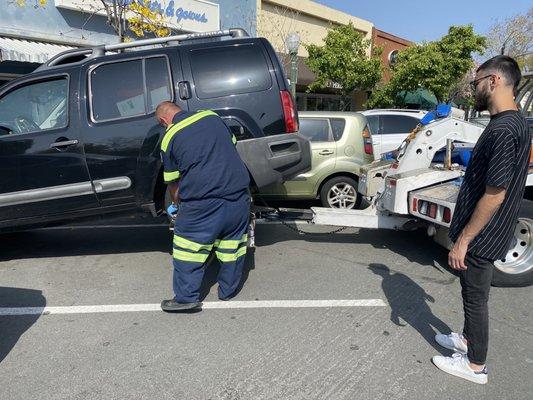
338,184
516,270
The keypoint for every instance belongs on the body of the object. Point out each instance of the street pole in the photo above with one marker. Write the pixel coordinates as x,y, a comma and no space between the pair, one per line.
294,73
292,43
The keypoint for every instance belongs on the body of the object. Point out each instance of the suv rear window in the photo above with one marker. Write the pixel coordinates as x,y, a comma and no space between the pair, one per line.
129,88
227,70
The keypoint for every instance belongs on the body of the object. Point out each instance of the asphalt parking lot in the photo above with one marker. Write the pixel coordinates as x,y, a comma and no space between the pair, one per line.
377,344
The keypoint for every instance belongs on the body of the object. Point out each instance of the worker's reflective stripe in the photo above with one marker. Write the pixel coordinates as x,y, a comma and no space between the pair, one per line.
171,176
229,257
192,257
231,244
233,139
189,245
173,129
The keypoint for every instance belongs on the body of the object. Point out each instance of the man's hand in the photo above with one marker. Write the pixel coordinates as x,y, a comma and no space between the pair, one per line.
456,257
485,210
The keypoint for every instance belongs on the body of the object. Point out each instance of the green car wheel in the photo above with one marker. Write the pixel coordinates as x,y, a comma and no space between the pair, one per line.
340,192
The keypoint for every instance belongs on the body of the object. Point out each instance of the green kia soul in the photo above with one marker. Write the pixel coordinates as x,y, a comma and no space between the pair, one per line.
341,143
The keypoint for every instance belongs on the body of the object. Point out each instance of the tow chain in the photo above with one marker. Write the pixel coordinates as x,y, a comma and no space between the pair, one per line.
300,231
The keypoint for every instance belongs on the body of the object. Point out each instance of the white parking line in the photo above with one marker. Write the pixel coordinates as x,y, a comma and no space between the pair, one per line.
113,308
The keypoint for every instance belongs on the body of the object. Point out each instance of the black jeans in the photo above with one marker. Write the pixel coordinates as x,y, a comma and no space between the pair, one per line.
475,283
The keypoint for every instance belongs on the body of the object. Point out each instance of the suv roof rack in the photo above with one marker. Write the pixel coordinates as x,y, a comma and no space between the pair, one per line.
101,50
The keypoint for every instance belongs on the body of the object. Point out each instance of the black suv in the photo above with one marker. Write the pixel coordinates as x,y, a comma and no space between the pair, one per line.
78,136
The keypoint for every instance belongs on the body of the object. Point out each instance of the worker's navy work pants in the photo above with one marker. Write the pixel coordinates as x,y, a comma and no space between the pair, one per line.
203,226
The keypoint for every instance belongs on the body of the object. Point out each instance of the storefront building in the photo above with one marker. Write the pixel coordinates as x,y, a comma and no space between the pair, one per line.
311,21
31,34
390,45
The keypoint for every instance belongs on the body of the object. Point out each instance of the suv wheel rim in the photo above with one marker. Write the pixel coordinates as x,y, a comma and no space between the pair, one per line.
520,258
342,195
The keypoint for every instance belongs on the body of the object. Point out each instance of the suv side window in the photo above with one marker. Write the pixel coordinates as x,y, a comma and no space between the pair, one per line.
228,70
35,107
337,127
392,124
373,123
131,88
315,129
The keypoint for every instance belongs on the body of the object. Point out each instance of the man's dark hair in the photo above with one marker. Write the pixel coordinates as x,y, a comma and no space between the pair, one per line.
507,67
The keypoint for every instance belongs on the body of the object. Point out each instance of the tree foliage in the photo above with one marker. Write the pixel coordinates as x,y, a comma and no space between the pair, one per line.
344,60
437,66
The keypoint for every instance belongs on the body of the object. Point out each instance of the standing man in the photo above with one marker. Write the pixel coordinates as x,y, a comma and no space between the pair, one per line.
199,156
486,212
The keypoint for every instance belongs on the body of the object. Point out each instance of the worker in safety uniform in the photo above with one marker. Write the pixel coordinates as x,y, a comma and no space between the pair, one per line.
199,156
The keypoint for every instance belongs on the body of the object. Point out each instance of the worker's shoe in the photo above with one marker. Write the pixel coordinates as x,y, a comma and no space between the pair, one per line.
458,365
173,306
453,341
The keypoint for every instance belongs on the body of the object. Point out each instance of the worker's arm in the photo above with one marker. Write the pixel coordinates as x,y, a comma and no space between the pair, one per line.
173,189
485,209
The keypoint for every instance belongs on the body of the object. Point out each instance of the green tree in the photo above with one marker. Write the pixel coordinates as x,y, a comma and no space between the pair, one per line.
437,66
344,62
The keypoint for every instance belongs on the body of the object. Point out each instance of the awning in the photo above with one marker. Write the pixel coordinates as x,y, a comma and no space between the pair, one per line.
28,50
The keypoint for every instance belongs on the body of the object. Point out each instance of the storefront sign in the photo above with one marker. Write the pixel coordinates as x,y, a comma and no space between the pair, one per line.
183,15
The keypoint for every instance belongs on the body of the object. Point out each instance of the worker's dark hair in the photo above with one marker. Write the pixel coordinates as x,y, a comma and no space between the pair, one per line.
507,67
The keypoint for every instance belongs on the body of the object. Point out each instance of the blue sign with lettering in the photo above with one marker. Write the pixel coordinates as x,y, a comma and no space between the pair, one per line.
170,11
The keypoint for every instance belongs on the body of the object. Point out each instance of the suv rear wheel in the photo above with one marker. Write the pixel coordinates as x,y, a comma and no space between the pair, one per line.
340,192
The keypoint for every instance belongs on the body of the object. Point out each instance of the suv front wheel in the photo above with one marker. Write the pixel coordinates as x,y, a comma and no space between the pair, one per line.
340,192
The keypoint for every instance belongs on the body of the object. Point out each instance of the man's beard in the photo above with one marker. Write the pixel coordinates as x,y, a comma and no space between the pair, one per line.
482,101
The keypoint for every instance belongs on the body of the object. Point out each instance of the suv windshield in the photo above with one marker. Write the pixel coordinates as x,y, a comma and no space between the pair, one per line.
35,107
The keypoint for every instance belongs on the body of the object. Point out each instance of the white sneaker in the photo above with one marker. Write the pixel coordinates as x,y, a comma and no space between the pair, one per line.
457,365
453,341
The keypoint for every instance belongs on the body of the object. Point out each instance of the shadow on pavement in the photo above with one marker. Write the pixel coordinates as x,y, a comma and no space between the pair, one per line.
408,301
13,327
213,267
75,241
415,246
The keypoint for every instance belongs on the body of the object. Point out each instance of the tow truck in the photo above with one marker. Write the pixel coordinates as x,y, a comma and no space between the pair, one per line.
411,192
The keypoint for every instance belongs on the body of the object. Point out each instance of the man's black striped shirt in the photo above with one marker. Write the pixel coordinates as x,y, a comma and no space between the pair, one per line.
500,159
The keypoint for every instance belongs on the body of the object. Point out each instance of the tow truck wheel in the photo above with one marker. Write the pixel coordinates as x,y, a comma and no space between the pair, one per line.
516,269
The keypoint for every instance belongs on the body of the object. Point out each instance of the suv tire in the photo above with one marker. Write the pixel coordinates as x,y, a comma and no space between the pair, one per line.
340,192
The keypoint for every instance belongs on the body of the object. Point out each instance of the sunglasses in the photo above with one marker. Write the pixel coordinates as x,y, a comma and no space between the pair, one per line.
473,84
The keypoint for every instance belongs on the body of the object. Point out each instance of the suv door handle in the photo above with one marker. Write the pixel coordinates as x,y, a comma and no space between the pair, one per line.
326,152
184,90
63,143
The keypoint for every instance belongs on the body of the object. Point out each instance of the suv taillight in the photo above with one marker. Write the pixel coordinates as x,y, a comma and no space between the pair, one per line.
367,140
531,153
289,112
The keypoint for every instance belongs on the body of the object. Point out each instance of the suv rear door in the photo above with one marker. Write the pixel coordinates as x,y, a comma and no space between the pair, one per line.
243,83
42,163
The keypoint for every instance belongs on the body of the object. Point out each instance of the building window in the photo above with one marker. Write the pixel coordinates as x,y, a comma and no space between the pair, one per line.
322,102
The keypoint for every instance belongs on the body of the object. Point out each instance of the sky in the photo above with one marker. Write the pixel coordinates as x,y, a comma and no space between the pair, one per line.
423,20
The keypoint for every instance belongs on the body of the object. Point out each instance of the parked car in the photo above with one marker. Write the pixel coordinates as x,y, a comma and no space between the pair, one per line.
341,144
389,128
78,136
